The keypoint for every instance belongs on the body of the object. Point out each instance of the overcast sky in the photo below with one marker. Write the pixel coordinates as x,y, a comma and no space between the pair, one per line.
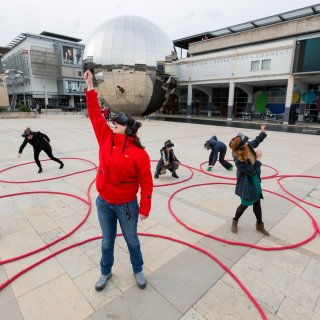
177,19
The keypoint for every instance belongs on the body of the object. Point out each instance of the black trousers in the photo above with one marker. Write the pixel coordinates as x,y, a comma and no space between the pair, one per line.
256,210
172,166
48,151
223,162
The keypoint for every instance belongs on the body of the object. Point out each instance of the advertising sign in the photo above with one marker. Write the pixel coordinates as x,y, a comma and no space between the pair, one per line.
72,55
74,87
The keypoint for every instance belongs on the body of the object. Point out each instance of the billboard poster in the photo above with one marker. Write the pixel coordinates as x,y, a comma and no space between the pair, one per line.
72,55
74,87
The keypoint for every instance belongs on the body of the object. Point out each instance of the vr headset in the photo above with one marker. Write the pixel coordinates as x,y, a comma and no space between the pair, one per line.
122,119
168,144
26,133
243,140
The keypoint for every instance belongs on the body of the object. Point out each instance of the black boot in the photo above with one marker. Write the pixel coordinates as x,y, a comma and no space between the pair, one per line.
156,175
40,170
175,175
61,165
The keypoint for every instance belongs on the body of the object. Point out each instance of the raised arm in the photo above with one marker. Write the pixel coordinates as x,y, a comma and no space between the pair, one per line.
255,143
99,124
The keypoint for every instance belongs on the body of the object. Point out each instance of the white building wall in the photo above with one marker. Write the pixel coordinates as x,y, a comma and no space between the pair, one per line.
235,64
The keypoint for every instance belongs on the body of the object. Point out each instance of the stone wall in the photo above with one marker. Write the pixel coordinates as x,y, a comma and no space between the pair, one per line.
17,115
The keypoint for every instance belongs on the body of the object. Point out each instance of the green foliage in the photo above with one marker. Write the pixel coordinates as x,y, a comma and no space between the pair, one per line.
22,108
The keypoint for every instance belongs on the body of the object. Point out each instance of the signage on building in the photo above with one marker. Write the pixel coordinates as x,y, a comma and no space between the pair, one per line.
72,55
259,60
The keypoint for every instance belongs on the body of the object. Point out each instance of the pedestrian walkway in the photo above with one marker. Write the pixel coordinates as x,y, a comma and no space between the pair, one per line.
183,283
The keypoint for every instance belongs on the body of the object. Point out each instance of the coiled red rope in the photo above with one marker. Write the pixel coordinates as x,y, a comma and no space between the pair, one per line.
88,202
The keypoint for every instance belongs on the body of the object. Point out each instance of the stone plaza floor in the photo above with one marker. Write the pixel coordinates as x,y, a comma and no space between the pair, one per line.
183,283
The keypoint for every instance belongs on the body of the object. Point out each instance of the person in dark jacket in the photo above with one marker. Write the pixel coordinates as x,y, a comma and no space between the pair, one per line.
168,161
248,186
40,142
217,148
124,168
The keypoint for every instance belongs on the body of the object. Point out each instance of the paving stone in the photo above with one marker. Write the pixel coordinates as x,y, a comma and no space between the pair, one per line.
192,315
86,283
266,296
75,262
232,252
312,272
8,304
186,278
279,279
137,304
294,311
222,302
59,298
289,260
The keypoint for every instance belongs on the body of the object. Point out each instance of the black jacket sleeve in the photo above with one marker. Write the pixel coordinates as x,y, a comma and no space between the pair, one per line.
24,143
255,143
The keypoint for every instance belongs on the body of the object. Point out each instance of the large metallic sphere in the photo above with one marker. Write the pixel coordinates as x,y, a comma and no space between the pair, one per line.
125,54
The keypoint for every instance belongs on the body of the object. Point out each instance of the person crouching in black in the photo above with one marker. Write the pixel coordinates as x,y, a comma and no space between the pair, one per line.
40,142
168,161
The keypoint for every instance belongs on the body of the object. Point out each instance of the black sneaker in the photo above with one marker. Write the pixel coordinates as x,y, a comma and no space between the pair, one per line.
40,170
156,175
61,165
141,280
102,282
175,175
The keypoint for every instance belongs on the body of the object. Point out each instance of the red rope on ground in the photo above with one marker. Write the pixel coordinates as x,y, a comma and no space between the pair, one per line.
292,195
88,202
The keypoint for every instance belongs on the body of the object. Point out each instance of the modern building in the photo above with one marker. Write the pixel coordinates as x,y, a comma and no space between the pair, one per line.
269,67
45,69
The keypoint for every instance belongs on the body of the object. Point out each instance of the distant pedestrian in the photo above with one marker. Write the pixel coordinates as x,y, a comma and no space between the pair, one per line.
40,142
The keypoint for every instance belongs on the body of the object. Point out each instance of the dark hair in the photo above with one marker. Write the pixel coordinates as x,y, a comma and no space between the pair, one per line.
136,139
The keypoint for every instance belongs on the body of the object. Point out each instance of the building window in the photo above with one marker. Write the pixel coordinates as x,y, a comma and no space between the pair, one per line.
255,65
266,64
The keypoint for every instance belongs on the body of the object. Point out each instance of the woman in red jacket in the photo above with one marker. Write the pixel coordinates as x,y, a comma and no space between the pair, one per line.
124,166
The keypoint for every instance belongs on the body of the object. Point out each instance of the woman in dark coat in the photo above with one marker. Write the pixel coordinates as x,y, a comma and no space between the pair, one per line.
248,186
40,142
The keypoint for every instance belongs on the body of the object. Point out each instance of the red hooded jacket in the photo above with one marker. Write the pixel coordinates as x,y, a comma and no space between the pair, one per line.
123,167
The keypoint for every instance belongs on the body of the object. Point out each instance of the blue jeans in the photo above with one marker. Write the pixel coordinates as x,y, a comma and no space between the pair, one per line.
127,214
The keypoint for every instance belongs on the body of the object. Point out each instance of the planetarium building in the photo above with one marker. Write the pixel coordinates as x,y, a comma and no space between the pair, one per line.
268,68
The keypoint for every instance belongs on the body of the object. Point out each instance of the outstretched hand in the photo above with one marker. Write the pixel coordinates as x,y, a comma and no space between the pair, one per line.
263,128
88,78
